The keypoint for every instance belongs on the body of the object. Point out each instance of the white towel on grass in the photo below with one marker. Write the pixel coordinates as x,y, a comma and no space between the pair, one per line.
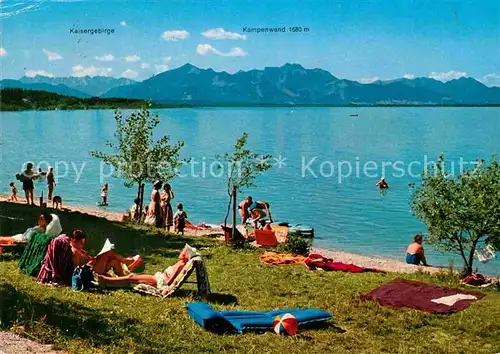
452,299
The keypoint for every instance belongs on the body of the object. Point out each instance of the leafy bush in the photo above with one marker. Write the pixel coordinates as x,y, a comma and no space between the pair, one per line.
296,244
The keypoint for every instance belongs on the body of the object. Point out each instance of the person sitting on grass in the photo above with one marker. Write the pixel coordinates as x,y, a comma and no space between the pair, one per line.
43,220
160,280
180,219
415,252
65,253
100,264
131,213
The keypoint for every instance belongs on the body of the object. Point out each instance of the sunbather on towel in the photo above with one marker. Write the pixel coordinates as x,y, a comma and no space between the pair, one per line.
43,220
100,264
415,252
160,280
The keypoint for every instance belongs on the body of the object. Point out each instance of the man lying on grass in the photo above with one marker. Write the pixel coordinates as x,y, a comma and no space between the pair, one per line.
65,253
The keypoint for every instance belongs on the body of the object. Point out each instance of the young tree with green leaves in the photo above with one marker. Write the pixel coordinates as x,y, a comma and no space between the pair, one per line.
137,156
244,167
460,212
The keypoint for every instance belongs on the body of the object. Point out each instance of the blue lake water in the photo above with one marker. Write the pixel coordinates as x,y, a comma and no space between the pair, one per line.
313,186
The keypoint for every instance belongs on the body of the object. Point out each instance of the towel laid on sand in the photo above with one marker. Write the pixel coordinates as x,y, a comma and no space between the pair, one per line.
315,261
417,295
281,258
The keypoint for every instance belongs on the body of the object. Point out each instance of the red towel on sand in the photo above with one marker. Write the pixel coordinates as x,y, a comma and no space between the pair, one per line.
318,261
416,295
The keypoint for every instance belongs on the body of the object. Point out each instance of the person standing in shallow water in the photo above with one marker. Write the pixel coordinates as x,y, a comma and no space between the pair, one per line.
382,184
166,207
104,194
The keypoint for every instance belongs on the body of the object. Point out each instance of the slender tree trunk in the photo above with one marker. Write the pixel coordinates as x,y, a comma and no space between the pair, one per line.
471,256
136,212
228,209
141,200
462,253
233,236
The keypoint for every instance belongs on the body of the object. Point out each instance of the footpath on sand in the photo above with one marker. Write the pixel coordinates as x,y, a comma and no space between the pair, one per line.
11,343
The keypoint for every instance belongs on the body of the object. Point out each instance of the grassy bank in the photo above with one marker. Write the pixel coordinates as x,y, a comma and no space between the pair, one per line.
124,322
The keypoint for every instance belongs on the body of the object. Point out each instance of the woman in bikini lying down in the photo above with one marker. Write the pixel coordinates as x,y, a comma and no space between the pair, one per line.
160,280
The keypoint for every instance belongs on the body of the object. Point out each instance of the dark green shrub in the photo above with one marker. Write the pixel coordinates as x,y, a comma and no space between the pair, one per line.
296,244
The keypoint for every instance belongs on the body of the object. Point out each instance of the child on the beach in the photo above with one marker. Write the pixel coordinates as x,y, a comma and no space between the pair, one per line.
180,217
104,194
13,192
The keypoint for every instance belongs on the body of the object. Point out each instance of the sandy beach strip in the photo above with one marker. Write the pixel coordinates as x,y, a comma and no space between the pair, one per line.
96,211
11,343
385,264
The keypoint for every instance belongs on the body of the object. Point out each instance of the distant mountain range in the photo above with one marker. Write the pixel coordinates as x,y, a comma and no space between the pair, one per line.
93,86
289,84
59,89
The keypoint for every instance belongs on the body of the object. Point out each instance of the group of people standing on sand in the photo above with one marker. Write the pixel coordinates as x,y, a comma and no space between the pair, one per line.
160,212
27,178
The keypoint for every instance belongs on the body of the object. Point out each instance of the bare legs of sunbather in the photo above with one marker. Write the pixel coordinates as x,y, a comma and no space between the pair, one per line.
110,260
7,240
133,279
128,280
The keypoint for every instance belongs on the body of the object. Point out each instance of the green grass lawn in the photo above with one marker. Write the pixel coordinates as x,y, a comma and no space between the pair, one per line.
121,321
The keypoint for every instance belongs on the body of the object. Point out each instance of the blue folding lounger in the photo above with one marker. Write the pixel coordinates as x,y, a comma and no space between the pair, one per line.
243,321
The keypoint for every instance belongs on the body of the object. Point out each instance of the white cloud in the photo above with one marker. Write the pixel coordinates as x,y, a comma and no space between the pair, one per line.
145,65
132,58
491,79
123,24
3,52
369,80
450,75
409,76
175,35
33,73
107,57
166,60
161,68
80,71
204,49
220,33
52,55
130,74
